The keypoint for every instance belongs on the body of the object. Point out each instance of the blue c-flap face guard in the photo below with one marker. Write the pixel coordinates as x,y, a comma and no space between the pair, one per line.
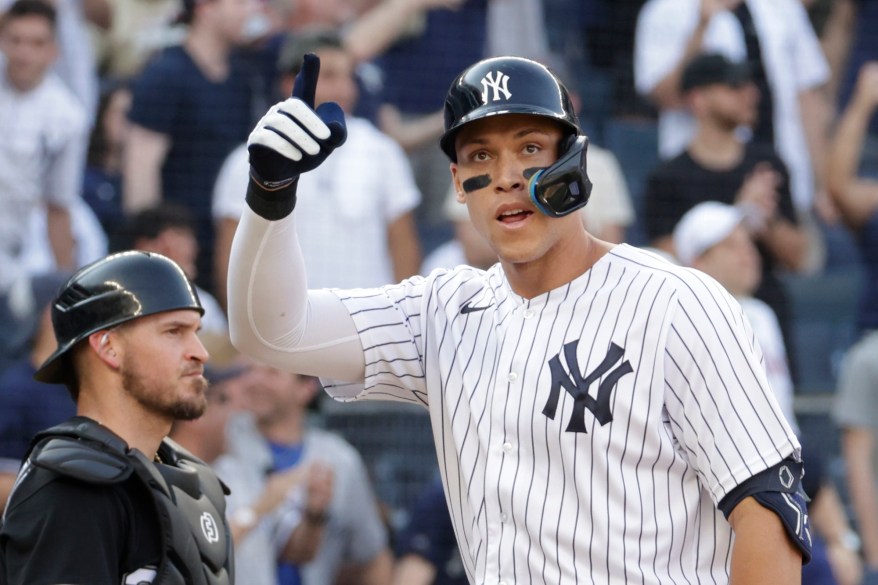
564,187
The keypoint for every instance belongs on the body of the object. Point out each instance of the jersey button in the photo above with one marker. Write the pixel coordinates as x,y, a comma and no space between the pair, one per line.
528,314
503,517
512,377
507,447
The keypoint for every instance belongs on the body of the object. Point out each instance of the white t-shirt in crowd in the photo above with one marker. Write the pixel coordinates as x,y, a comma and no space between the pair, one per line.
793,58
343,206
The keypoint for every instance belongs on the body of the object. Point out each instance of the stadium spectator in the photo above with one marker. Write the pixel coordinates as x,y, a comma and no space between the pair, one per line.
44,130
75,65
788,67
718,166
856,408
334,512
192,105
137,30
102,183
416,71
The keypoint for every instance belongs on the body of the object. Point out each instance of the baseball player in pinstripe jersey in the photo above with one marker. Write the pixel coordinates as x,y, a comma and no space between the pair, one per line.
600,415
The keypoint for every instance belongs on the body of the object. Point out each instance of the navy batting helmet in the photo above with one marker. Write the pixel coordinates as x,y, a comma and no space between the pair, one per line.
110,291
505,85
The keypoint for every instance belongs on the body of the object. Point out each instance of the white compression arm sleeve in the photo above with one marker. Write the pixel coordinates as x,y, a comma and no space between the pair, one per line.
274,318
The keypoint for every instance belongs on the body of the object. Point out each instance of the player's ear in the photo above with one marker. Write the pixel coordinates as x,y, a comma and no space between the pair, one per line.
104,344
458,189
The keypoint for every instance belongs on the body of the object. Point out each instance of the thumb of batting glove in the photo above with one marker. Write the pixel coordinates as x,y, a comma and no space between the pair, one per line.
291,139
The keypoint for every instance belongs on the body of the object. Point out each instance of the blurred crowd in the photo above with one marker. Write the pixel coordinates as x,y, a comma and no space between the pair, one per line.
737,137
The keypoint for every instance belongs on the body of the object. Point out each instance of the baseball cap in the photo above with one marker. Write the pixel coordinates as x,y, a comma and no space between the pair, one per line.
703,227
713,68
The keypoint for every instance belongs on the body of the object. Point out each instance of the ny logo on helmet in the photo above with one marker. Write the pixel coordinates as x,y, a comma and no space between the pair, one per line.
496,81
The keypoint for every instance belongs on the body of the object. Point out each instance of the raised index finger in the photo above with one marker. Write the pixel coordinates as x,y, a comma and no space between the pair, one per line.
305,85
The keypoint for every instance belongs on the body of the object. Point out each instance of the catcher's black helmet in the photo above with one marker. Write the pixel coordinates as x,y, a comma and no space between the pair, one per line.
110,291
505,85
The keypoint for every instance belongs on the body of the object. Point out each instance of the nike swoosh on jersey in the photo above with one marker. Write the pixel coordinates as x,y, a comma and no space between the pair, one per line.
468,308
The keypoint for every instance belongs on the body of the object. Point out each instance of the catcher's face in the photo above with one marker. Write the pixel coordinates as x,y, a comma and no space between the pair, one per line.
161,362
495,157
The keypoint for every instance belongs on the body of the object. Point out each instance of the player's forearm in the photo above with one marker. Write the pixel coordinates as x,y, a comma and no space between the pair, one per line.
763,554
267,289
274,318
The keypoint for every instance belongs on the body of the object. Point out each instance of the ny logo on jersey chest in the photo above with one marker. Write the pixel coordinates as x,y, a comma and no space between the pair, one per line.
577,384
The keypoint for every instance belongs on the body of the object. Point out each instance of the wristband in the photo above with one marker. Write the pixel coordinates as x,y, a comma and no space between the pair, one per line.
271,203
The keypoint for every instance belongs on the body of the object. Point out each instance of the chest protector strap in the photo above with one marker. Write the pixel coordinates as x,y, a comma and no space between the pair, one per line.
188,498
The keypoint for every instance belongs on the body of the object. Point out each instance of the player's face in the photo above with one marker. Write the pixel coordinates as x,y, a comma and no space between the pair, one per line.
336,82
162,364
734,262
29,45
495,155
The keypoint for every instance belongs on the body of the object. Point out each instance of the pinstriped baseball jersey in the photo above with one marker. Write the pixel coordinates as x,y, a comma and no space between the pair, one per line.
585,435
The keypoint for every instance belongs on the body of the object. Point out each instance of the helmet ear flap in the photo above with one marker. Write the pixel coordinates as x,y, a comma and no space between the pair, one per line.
566,144
564,187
